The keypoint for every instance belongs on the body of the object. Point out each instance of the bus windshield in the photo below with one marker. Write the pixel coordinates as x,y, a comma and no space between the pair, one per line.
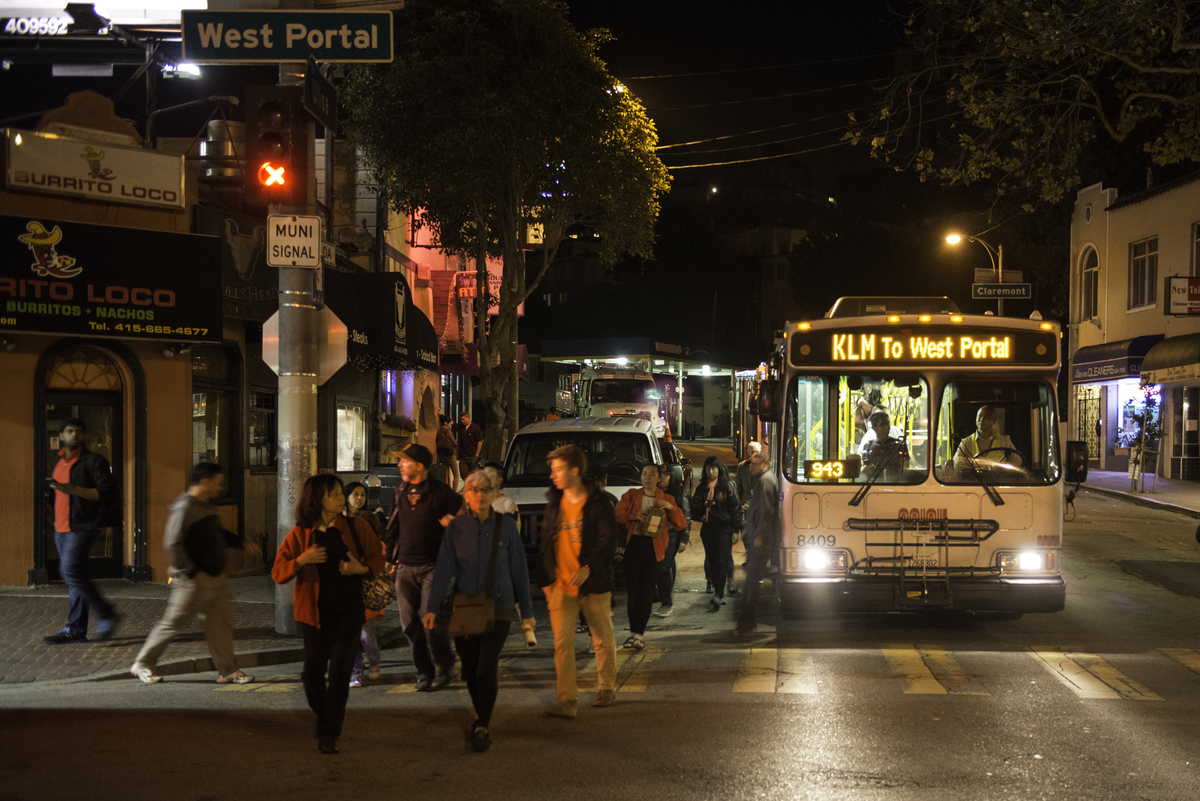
1003,433
856,428
623,390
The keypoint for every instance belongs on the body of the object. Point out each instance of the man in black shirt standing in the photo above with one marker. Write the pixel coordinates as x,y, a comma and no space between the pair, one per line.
422,507
470,443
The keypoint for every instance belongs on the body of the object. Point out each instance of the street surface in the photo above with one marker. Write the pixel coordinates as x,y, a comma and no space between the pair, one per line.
1100,701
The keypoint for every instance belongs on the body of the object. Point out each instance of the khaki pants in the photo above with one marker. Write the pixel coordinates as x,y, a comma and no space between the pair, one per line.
200,595
564,612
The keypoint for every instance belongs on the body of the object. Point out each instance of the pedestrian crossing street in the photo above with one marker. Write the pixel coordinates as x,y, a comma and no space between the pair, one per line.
774,668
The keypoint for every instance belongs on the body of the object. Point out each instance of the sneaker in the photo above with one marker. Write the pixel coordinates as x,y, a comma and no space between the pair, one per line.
714,605
605,698
708,588
356,681
64,637
441,680
631,642
424,684
328,745
236,677
373,672
480,741
664,611
145,675
564,709
639,642
106,629
731,590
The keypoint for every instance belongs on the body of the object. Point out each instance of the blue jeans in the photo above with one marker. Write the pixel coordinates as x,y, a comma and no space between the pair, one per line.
74,553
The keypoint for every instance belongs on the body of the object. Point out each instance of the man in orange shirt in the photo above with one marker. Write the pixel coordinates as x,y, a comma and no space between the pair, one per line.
575,570
84,491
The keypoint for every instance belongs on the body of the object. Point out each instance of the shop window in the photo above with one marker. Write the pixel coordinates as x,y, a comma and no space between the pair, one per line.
262,430
1090,297
215,419
1143,272
351,437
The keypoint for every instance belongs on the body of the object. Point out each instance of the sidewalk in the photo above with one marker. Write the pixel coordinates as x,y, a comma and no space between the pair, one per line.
27,614
1169,494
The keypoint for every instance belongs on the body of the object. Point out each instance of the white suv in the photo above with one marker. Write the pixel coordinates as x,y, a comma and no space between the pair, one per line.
621,445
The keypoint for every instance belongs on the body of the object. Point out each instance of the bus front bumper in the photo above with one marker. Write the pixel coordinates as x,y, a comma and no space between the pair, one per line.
829,597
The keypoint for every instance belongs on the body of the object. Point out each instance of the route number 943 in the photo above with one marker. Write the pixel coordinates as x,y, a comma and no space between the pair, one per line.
816,540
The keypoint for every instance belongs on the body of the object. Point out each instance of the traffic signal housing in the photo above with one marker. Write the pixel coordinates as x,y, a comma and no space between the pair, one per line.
278,140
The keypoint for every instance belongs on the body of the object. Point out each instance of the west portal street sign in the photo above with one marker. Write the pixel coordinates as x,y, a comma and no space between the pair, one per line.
247,37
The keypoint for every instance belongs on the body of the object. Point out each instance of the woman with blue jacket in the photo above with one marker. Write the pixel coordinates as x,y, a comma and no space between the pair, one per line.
466,550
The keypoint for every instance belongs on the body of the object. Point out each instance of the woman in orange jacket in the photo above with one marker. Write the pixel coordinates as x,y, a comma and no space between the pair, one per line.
322,554
648,515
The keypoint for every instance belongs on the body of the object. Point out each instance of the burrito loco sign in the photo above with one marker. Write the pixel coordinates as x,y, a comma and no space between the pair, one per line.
93,280
57,165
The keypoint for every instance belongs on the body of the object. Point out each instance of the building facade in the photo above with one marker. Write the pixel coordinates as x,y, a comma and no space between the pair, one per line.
1135,338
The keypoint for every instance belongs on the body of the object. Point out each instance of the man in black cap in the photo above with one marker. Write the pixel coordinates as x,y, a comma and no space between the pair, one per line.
422,507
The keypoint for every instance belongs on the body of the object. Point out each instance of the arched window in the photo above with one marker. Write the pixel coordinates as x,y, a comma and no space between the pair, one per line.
1089,299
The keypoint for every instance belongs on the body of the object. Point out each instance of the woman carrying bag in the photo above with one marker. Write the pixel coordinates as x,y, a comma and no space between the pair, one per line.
482,551
322,555
368,655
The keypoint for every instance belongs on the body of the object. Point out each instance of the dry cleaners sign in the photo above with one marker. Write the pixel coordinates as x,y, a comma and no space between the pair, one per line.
56,165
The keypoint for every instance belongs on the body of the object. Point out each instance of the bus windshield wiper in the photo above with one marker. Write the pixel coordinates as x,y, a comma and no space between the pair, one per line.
991,491
877,472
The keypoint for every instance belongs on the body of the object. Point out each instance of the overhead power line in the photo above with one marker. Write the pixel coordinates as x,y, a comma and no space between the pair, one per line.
766,98
759,158
760,69
760,130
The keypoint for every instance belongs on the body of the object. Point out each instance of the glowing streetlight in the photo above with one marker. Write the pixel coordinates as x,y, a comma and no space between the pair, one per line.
995,254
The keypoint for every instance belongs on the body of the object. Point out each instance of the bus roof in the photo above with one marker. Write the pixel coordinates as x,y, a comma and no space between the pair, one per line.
865,305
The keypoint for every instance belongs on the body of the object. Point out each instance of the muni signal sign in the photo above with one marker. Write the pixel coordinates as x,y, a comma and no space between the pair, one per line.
293,240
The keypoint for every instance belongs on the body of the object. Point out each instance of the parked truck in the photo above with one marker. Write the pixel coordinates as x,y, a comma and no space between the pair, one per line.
611,392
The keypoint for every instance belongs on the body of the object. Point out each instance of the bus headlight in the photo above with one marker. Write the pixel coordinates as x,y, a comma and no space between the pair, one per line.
816,559
1022,562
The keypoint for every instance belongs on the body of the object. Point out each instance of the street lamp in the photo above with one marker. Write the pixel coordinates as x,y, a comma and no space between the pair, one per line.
996,255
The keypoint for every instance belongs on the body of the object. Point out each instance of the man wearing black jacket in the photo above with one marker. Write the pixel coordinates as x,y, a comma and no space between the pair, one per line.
195,543
84,490
575,569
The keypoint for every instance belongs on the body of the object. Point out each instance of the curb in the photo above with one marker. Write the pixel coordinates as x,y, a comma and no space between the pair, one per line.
185,666
1165,506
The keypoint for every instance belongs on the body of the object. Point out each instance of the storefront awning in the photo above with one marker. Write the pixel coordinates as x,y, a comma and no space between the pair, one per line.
386,331
1173,359
1112,360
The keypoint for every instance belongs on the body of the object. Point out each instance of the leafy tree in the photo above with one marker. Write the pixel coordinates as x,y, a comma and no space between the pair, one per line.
1019,93
498,118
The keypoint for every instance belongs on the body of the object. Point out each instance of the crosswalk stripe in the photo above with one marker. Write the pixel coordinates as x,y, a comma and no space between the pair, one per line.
586,679
908,664
1184,656
758,671
948,672
639,677
1090,676
797,674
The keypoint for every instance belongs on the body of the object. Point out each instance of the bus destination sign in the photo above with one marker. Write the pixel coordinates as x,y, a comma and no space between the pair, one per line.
926,345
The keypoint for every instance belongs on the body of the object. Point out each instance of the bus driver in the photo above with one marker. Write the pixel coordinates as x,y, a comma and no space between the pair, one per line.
987,442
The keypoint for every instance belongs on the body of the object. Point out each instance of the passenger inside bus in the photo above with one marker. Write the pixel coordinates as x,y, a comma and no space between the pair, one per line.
987,443
884,450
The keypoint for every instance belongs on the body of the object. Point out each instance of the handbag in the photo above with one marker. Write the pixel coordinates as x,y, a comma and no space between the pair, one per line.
474,615
653,523
377,591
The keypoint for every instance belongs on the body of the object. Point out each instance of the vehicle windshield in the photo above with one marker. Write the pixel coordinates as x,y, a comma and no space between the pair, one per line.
623,455
623,390
857,428
1003,433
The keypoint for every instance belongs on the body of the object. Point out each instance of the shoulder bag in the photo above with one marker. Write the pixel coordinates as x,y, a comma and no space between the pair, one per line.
474,615
377,591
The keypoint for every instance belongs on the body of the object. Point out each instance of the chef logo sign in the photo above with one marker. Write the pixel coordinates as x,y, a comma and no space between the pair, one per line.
46,260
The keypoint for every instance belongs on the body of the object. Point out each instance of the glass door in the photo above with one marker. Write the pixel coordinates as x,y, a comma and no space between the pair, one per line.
101,412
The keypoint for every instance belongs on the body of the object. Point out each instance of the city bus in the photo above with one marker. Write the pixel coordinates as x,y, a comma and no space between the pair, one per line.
892,498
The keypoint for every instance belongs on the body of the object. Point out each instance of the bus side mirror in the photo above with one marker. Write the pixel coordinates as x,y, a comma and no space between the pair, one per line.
768,401
1077,462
